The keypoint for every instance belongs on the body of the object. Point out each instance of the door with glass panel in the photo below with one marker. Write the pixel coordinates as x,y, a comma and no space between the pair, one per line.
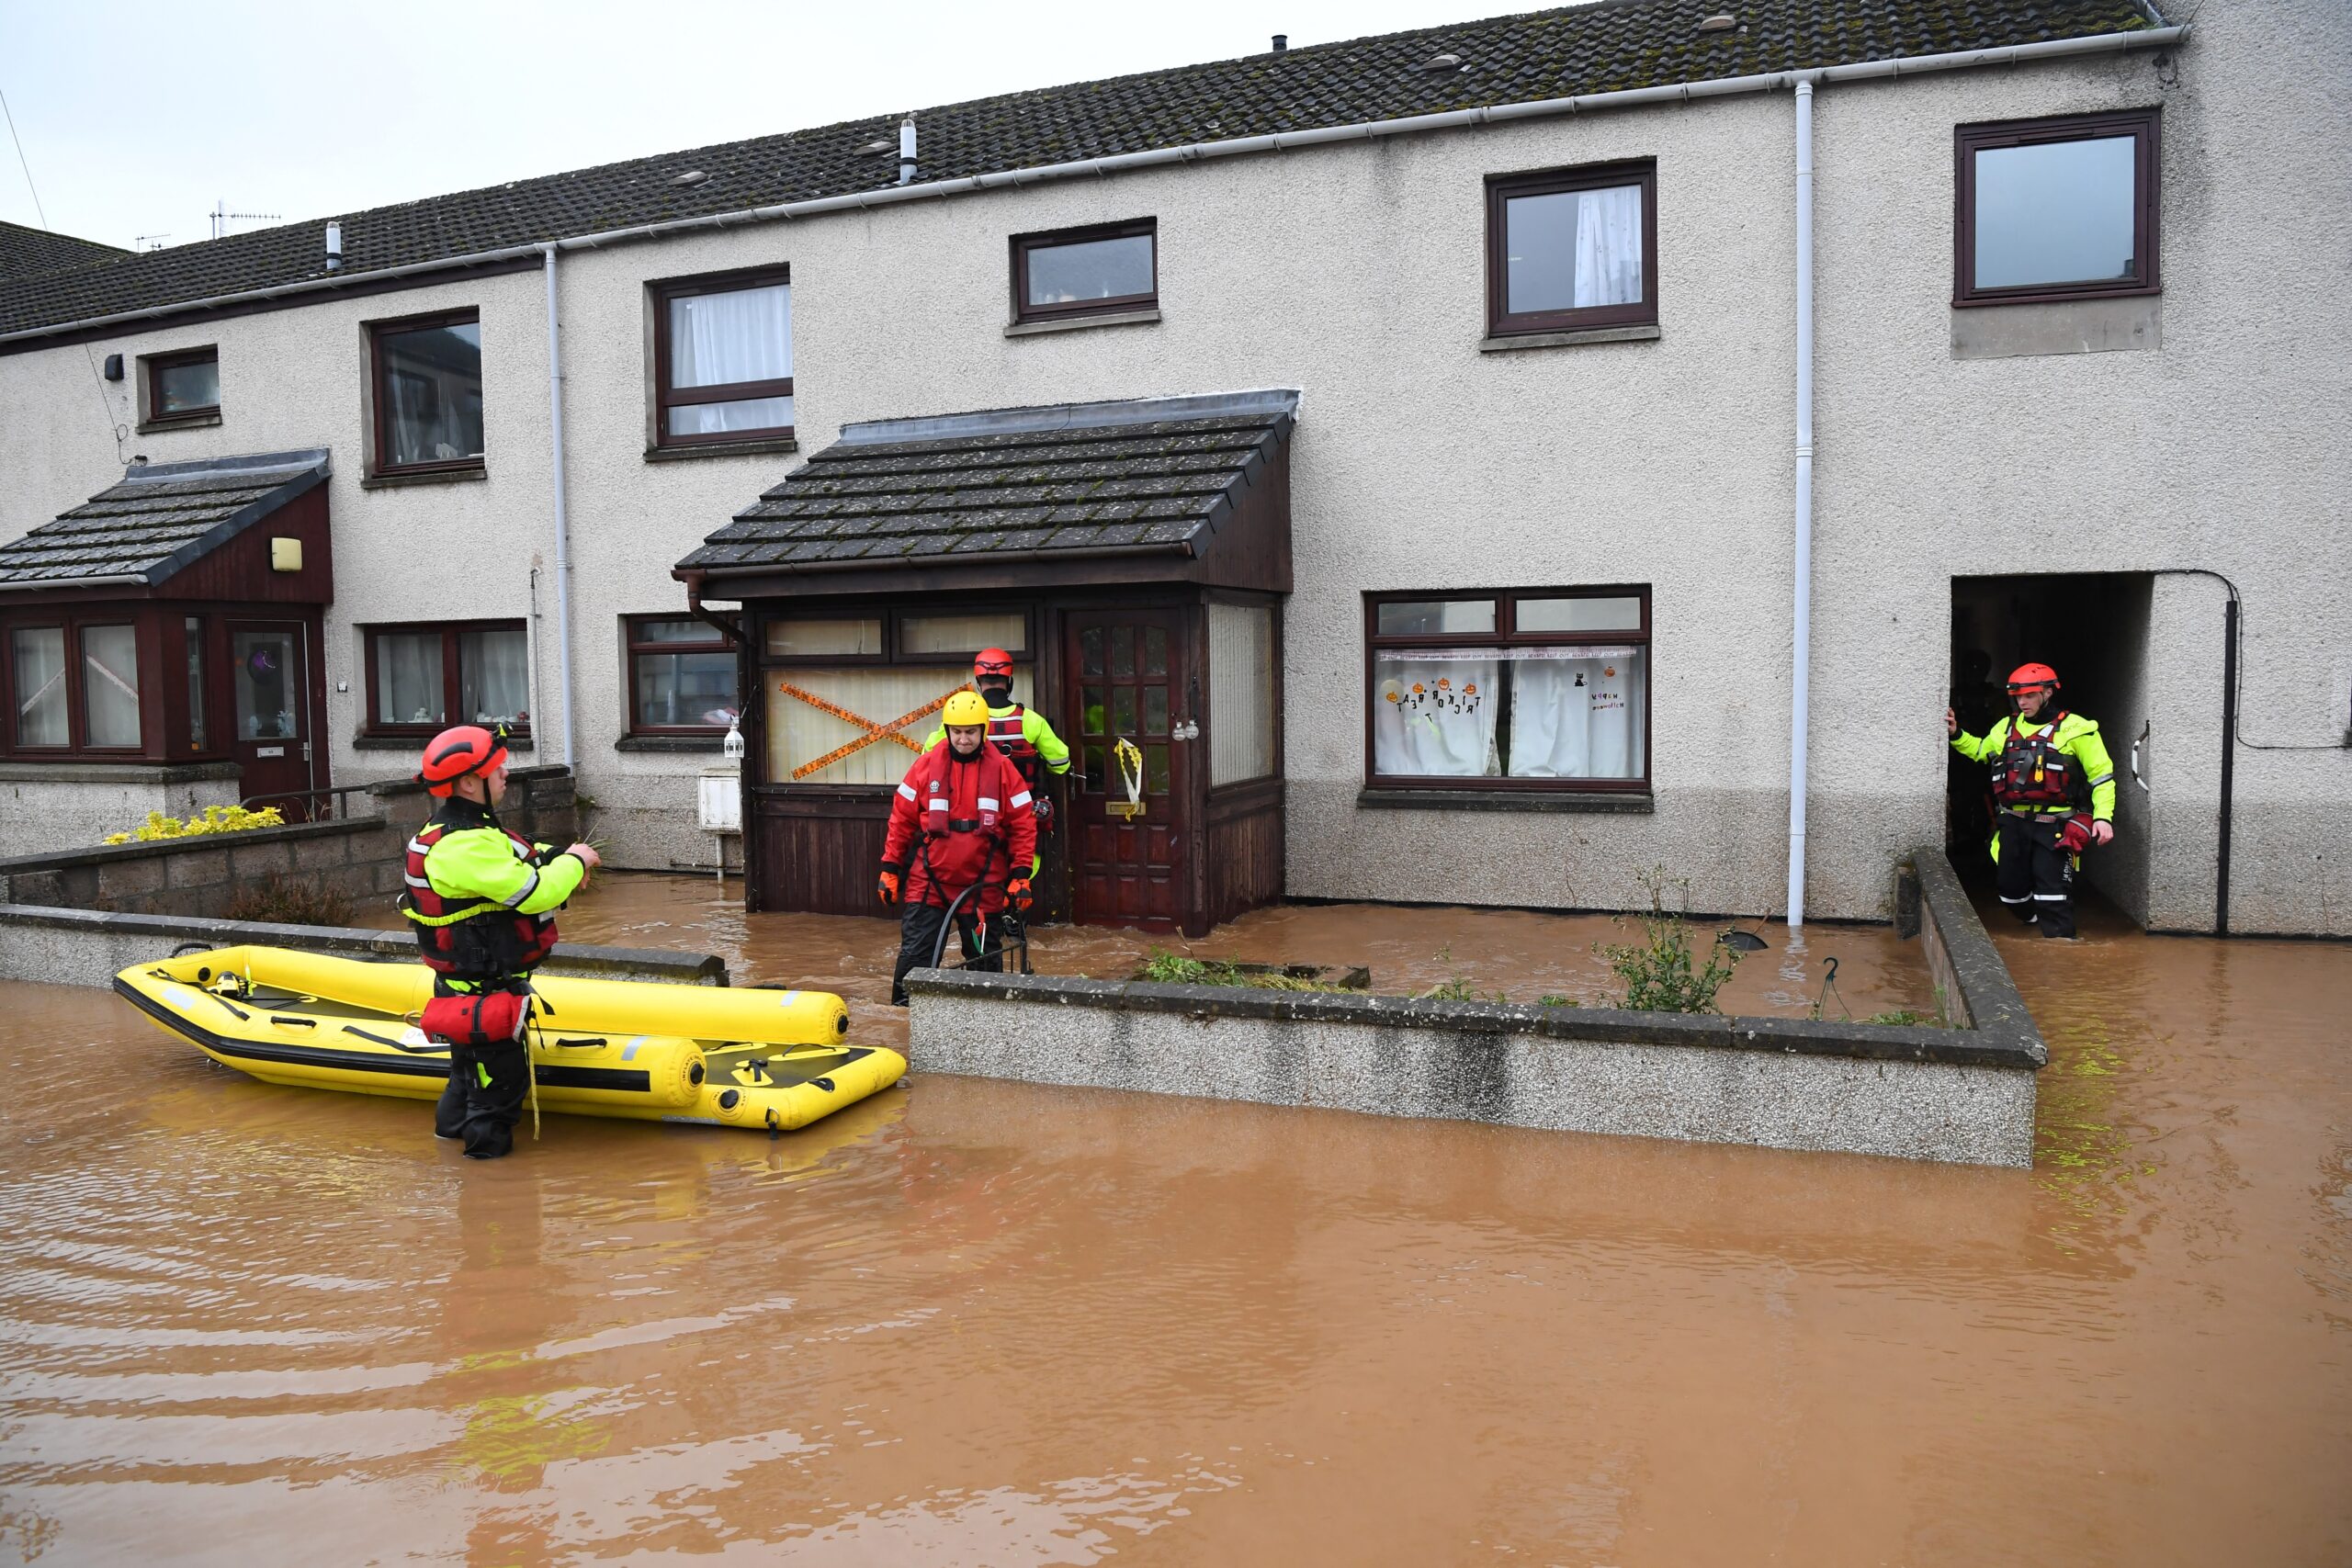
1130,831
272,739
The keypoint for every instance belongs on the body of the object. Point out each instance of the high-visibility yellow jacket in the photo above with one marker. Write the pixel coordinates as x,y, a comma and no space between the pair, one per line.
2076,736
1051,748
489,864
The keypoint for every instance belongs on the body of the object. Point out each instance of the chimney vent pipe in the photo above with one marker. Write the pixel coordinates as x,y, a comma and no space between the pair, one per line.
907,151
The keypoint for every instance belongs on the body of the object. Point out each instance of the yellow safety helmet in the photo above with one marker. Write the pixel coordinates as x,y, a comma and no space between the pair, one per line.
965,707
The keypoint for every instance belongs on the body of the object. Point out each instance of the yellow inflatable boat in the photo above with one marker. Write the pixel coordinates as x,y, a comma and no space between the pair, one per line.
708,1054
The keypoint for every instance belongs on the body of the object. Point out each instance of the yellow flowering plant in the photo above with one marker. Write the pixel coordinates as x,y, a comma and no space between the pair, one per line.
216,820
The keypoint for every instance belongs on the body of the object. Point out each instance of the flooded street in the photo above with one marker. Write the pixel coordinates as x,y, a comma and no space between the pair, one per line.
980,1323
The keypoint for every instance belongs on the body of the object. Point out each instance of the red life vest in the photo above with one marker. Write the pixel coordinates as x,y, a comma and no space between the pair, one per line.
486,940
2032,771
1006,731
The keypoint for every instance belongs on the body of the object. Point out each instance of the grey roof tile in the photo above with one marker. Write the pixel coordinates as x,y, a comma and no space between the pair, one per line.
1103,486
159,519
1576,49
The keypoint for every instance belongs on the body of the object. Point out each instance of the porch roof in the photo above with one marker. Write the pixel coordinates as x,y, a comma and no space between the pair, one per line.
161,518
1159,487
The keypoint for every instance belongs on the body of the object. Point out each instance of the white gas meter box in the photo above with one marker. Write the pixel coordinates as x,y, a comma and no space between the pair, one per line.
721,800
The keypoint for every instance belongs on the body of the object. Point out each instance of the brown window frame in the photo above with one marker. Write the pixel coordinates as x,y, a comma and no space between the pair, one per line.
1023,245
1970,139
1505,634
1500,321
150,369
70,625
381,404
715,642
666,397
452,679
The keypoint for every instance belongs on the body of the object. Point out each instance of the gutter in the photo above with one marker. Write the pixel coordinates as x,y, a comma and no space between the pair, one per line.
1280,141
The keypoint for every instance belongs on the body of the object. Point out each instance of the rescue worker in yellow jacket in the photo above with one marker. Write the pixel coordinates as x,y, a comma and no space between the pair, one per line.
483,902
2053,793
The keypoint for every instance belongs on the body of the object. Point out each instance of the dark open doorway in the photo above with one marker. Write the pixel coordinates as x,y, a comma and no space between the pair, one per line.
2093,630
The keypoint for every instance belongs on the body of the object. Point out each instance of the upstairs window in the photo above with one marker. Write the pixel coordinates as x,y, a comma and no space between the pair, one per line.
427,383
1108,270
1572,249
722,350
183,386
2055,209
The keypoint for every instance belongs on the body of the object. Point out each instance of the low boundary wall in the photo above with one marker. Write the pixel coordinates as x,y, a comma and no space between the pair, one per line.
89,947
1964,1094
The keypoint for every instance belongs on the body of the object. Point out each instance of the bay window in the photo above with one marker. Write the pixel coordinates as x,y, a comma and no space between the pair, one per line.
1522,689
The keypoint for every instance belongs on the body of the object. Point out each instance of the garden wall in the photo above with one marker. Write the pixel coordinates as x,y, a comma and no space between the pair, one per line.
359,857
1964,1094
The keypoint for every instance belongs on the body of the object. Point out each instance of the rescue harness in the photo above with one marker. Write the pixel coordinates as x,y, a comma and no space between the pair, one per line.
2032,775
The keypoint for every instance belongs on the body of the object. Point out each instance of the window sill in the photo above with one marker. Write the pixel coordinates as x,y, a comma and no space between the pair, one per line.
1649,333
417,742
430,477
1078,323
1605,802
769,444
711,743
178,421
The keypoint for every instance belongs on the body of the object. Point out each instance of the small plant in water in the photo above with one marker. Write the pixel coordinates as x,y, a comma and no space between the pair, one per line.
1661,973
1169,968
280,902
1556,1003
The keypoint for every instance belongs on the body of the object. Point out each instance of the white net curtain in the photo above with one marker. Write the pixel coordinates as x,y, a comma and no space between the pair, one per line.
1572,713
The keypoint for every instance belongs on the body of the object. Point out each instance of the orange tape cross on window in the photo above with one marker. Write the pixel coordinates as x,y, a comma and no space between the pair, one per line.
873,731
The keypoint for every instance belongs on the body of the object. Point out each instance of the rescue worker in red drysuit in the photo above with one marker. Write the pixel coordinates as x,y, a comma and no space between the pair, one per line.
483,902
961,819
2053,794
1023,735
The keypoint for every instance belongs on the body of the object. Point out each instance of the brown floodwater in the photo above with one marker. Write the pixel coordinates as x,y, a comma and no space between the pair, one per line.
982,1323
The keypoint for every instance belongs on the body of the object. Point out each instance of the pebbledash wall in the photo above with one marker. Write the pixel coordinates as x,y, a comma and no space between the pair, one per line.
1355,273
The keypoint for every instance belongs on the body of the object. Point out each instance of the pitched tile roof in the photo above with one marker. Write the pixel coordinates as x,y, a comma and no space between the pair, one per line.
1577,50
1153,476
27,252
160,518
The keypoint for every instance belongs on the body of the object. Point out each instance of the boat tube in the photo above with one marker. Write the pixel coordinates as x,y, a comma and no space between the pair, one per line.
707,1055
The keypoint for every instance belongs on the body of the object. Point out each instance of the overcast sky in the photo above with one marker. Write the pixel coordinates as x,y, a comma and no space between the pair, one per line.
137,116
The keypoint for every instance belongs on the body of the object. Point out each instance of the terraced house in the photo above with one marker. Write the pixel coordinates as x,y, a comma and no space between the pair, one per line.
1467,465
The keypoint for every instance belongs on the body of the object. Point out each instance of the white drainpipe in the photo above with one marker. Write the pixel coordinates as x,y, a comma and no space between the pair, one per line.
1800,688
562,520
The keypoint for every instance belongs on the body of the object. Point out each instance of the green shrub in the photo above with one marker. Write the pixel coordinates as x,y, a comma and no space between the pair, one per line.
1661,973
280,902
216,820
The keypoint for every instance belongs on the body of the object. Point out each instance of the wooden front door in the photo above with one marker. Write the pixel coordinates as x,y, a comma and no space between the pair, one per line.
1130,836
269,671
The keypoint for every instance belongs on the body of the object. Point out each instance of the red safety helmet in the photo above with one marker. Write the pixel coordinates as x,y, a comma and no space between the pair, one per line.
993,661
453,753
2025,677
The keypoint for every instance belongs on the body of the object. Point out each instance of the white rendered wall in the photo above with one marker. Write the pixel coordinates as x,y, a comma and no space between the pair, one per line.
1355,273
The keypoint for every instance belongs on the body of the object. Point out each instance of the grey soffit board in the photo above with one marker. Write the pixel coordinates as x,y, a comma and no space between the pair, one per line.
1151,486
1610,46
161,517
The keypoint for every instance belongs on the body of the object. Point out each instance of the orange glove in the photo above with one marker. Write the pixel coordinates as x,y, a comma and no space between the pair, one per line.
1017,892
887,887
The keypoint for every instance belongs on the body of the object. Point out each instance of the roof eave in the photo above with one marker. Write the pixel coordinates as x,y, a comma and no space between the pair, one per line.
1680,92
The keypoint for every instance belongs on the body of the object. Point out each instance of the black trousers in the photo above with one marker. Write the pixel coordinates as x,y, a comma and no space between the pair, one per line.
487,1088
2036,878
919,929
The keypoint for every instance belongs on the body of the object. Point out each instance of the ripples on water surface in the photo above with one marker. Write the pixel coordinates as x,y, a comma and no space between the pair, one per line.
987,1323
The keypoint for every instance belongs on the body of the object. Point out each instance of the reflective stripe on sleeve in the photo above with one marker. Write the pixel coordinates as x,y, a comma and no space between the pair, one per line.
2101,779
907,790
524,892
1021,799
